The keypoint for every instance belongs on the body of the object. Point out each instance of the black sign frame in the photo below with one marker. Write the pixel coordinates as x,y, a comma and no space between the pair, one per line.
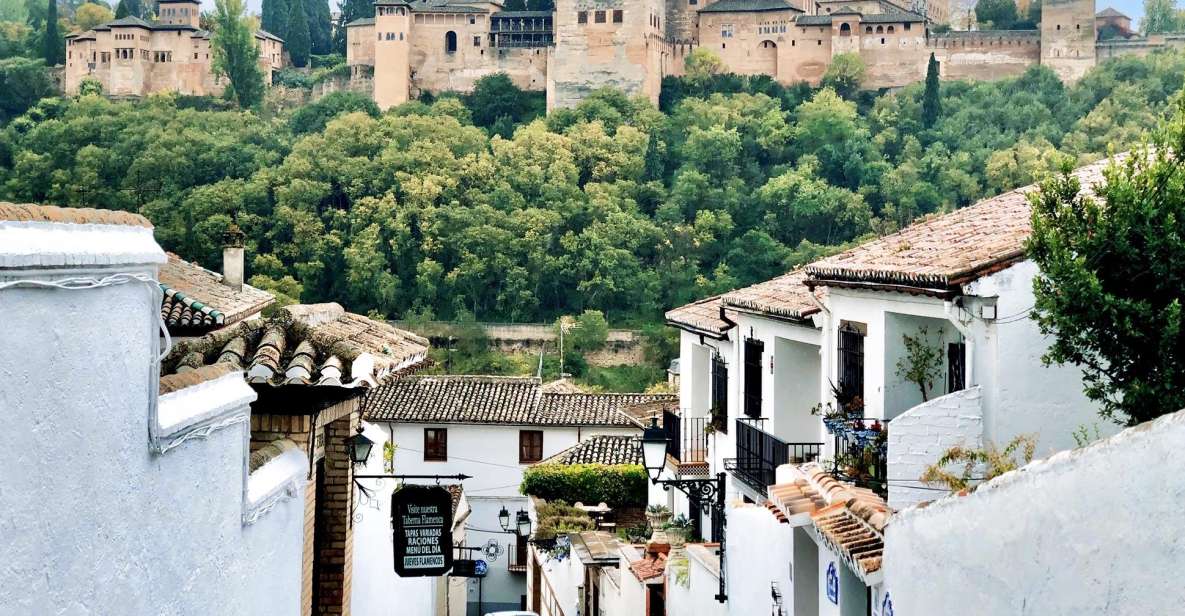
422,523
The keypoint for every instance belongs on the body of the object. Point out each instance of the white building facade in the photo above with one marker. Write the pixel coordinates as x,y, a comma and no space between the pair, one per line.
126,493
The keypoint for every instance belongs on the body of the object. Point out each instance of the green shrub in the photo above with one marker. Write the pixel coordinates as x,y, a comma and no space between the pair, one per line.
291,78
330,72
313,117
621,485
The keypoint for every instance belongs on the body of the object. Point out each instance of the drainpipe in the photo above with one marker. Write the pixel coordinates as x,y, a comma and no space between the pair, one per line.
951,309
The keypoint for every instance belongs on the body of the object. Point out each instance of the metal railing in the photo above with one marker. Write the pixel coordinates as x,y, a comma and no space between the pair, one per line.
860,454
759,454
687,437
516,562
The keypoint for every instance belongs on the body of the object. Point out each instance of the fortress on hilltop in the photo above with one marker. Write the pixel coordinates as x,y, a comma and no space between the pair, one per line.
414,46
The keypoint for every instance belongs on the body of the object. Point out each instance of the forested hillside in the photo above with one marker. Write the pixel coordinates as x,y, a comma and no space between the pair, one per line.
614,205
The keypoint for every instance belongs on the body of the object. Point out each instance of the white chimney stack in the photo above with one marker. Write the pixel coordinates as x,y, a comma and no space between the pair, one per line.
232,258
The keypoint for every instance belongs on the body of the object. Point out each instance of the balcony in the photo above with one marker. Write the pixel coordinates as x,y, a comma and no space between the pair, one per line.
516,557
687,442
861,452
759,454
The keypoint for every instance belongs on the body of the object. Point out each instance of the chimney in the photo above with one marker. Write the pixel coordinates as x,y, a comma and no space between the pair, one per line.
232,258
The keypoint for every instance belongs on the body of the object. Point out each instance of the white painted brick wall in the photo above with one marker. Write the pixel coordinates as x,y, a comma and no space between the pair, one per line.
920,435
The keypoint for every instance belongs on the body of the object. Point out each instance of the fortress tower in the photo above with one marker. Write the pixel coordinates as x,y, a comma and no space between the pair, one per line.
392,51
1068,37
599,43
179,13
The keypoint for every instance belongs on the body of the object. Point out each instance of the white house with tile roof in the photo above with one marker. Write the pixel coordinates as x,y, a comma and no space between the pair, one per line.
962,280
125,491
491,428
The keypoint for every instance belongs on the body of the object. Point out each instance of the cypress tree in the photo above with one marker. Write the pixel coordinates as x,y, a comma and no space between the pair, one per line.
121,10
298,39
275,17
53,40
320,32
931,102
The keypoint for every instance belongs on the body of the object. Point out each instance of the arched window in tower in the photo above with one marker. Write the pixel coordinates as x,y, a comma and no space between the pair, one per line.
880,29
890,30
450,42
845,30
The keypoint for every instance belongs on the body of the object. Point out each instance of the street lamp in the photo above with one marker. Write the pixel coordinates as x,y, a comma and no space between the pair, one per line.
703,495
654,450
504,519
359,447
523,526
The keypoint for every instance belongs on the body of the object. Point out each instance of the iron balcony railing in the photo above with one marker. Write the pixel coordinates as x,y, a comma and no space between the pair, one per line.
759,454
687,437
860,455
516,559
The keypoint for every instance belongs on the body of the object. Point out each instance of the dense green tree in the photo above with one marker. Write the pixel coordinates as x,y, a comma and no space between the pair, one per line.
1159,16
996,14
932,98
236,53
320,26
299,40
13,11
313,117
1112,270
22,83
275,17
844,74
90,15
495,97
121,9
53,47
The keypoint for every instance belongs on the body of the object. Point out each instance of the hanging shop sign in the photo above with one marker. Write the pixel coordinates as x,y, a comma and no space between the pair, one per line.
422,519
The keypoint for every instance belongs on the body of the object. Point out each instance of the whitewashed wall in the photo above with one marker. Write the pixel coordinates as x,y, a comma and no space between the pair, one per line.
1021,395
92,521
759,554
1090,531
698,597
921,435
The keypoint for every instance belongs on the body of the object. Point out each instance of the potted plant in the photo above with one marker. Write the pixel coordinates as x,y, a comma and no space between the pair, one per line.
658,516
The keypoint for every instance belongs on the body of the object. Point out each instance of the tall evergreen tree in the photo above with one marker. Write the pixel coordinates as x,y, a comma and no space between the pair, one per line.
53,42
320,29
121,10
350,10
931,101
236,54
298,40
275,17
1159,16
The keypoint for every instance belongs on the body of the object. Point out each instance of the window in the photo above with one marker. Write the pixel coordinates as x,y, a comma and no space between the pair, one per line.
754,349
720,393
907,27
477,41
867,29
880,29
530,446
599,17
617,15
692,2
582,17
450,42
472,20
435,445
889,30
956,367
845,30
725,30
851,362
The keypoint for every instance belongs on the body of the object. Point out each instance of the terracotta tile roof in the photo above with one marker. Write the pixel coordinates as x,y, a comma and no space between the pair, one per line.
649,567
264,454
600,449
496,400
786,296
170,383
850,520
196,300
319,344
945,251
28,212
702,316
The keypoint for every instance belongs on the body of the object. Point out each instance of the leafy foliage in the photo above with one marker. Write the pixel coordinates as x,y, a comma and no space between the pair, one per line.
621,485
299,41
22,83
275,17
931,97
558,518
974,466
53,47
996,14
313,117
844,74
612,205
922,363
1112,270
236,53
91,14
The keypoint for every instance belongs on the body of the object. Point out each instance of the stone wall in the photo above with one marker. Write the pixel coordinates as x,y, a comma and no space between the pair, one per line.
1068,37
918,437
1088,531
984,55
603,53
